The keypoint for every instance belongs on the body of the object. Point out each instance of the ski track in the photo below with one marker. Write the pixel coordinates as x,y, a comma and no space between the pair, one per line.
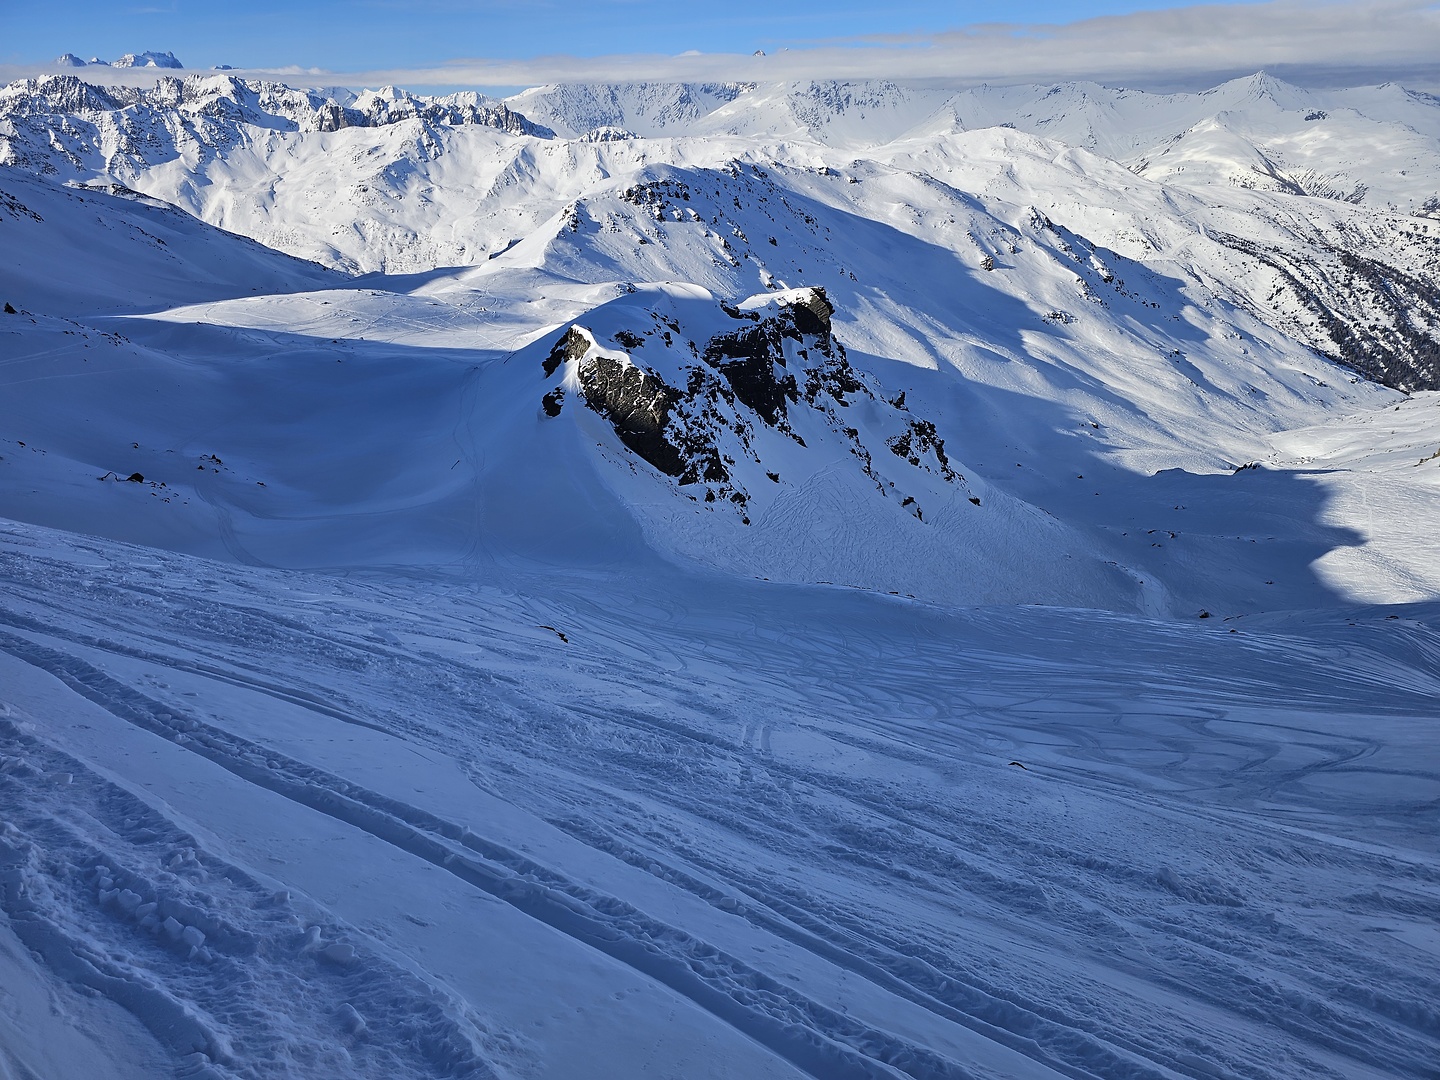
118,898
800,1030
668,819
1131,948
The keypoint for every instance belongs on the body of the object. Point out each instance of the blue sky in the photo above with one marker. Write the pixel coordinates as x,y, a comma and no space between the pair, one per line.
373,34
506,44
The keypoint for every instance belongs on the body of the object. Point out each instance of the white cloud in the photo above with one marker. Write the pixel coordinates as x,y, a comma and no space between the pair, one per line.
1360,41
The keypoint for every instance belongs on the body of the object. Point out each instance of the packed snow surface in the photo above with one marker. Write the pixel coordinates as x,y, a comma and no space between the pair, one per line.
748,582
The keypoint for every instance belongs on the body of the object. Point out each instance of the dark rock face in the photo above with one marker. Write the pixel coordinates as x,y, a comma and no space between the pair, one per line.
812,312
570,347
749,359
752,359
755,376
638,404
919,439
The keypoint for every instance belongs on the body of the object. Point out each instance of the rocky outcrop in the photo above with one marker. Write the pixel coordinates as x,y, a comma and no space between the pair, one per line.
811,310
638,405
1375,319
918,440
698,426
574,344
752,362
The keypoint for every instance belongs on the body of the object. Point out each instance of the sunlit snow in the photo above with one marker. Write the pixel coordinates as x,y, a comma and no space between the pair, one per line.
729,581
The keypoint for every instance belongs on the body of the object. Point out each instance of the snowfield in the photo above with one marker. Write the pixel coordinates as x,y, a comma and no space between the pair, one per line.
709,829
826,581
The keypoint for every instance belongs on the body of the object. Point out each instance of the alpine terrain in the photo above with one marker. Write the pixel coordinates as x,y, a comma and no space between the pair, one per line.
826,579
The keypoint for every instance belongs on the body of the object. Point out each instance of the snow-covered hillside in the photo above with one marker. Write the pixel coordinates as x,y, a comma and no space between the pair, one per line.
830,580
389,181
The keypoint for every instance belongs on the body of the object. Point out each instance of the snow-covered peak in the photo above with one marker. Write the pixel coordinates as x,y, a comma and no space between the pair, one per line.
58,95
148,59
227,100
1261,87
129,60
645,108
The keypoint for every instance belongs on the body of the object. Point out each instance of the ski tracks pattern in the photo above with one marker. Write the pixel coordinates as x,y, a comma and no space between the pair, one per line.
119,898
1155,938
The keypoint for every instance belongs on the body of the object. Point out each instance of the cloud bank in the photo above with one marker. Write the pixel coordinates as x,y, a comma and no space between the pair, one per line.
1312,43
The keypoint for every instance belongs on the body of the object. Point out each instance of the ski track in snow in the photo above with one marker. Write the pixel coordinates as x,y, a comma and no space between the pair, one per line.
1166,888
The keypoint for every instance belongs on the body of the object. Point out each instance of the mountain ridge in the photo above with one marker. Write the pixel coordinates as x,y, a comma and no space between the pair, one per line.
1044,313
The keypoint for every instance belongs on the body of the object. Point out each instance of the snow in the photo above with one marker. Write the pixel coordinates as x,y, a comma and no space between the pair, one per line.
148,60
720,808
1059,698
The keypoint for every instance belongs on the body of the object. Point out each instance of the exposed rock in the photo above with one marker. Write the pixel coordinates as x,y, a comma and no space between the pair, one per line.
1374,319
607,134
572,346
781,358
637,403
833,377
748,359
919,439
331,117
812,310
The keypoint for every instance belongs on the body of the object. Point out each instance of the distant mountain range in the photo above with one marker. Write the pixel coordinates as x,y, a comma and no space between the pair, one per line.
129,60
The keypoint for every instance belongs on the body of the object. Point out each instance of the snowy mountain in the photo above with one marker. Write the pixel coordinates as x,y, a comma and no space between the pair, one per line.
649,109
148,60
1374,143
809,580
454,180
129,60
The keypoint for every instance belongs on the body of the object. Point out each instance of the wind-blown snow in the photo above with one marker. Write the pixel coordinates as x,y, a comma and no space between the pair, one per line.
805,582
